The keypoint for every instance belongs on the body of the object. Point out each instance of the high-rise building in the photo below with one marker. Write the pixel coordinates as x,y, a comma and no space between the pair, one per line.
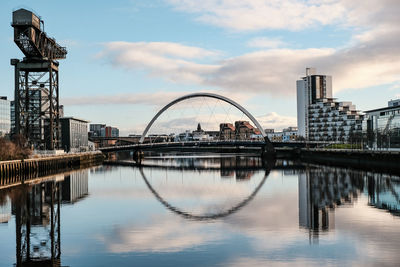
5,118
310,88
320,117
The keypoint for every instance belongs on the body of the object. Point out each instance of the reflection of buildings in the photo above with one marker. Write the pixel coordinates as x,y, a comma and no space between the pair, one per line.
75,186
321,190
37,220
384,192
37,215
242,167
5,211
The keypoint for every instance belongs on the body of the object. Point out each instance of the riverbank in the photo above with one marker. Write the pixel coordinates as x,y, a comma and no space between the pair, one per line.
19,170
387,161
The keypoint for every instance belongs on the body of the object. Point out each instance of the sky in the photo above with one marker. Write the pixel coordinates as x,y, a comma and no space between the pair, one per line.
128,58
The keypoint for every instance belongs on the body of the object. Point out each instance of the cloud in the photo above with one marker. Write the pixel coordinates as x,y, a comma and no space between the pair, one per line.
265,42
276,121
253,15
170,60
157,98
371,58
164,234
370,61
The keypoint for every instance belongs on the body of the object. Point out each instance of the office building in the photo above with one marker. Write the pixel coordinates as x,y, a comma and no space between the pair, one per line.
381,127
109,131
320,117
5,116
95,129
74,134
114,132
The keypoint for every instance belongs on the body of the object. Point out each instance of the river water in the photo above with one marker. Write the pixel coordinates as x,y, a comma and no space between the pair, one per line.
203,210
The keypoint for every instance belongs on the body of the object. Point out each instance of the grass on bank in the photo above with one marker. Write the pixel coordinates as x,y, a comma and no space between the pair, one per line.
344,146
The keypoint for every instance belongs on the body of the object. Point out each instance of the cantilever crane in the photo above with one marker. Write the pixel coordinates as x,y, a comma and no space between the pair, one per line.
36,104
30,38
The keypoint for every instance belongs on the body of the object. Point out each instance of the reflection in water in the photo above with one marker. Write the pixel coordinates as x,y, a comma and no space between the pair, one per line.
384,191
220,214
243,167
75,186
322,189
126,225
36,208
37,220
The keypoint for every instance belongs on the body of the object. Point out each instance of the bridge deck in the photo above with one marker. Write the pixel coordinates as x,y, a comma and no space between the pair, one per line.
227,144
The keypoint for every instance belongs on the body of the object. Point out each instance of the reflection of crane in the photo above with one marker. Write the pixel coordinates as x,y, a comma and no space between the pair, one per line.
36,81
37,220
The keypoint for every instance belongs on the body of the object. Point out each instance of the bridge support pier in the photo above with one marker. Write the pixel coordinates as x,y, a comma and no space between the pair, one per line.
138,155
268,151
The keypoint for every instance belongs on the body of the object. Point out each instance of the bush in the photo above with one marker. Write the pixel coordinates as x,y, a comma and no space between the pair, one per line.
15,149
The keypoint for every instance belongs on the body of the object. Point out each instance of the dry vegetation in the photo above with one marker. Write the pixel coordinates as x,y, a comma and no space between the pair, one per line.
14,149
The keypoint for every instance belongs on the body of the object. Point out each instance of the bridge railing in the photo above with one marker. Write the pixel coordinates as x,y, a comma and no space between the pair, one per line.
183,143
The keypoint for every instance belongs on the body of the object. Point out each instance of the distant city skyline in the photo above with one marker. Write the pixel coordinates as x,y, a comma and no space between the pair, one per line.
129,58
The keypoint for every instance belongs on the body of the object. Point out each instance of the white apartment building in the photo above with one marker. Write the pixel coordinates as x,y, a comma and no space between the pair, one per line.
319,116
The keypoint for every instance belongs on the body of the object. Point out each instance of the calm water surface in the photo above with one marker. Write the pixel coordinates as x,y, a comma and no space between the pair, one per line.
203,210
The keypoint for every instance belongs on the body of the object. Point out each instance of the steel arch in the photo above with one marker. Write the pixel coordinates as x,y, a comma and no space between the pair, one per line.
210,95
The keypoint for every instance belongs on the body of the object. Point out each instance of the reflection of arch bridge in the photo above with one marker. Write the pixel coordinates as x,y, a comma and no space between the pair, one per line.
206,217
268,147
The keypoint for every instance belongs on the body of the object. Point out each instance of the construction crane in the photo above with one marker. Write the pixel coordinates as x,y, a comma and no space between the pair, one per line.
36,104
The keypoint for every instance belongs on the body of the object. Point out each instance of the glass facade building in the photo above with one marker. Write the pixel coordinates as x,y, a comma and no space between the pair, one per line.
381,127
5,116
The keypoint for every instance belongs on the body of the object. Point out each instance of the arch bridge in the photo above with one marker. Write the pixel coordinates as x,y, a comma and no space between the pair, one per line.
266,144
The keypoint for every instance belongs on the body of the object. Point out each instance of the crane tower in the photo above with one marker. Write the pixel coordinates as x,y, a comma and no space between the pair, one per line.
37,108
